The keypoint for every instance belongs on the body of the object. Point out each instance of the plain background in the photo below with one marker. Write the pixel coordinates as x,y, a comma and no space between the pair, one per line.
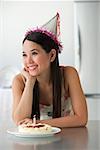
18,16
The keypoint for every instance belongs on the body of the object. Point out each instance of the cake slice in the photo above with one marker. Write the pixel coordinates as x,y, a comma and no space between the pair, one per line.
31,128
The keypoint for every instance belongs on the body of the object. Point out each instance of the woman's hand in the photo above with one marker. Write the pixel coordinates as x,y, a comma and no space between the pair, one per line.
25,121
27,77
26,74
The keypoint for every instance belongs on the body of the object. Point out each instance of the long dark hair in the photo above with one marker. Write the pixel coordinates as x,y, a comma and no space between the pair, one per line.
47,43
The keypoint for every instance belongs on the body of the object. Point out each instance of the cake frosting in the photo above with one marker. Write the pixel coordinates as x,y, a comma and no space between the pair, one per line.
32,128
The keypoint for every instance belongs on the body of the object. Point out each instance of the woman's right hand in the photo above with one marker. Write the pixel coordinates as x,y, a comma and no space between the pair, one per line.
27,77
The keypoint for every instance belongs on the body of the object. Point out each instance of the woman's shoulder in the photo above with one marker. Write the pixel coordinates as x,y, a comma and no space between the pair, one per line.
70,76
18,79
68,69
69,72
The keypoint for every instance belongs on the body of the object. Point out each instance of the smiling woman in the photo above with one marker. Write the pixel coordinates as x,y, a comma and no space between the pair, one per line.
51,92
42,70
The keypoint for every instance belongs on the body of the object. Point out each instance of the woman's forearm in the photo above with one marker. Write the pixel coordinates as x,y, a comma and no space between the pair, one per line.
68,121
24,107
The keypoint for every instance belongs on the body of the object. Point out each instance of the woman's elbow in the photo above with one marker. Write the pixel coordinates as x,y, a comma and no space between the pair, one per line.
83,120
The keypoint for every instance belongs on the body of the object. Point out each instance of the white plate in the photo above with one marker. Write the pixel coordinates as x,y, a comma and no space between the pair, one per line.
15,132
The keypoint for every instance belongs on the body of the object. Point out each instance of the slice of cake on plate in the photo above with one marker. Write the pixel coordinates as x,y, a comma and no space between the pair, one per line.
31,128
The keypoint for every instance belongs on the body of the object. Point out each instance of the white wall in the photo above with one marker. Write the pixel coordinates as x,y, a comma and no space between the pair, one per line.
0,28
98,74
87,13
93,108
19,16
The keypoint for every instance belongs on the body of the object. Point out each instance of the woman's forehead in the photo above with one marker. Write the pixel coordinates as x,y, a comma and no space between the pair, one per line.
29,45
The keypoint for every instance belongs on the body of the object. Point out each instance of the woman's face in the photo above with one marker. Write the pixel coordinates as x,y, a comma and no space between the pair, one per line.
35,59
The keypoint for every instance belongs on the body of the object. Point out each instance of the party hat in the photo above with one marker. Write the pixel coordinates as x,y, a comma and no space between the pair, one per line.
53,25
50,28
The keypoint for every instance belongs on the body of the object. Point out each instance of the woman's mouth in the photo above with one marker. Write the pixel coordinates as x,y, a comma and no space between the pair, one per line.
32,67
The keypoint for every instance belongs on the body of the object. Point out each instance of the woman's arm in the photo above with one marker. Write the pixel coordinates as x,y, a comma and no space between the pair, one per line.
78,100
22,98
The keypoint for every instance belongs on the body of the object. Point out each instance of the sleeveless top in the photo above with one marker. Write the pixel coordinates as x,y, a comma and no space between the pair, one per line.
66,109
66,106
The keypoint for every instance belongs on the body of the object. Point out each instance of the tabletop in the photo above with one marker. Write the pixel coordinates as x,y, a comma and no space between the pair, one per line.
84,138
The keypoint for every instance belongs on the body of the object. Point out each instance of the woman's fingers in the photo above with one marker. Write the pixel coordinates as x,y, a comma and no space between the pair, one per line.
25,121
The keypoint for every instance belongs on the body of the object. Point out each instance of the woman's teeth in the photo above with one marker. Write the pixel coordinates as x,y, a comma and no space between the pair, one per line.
32,67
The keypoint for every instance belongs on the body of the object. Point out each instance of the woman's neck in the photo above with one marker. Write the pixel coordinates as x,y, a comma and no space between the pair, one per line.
44,78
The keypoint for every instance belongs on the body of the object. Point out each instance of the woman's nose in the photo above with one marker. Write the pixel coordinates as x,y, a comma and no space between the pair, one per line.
29,59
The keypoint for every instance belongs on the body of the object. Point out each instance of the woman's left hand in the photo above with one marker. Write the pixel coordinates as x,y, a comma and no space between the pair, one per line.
25,121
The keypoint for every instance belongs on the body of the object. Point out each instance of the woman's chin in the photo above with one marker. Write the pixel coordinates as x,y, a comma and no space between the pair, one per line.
33,73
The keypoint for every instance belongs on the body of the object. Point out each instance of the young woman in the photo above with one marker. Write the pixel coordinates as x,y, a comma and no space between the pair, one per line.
51,92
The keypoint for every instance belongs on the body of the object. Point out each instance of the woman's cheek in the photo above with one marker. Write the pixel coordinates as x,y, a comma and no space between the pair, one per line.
25,66
24,62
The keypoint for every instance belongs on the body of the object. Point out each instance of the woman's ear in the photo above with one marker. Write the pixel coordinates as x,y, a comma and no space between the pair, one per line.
52,55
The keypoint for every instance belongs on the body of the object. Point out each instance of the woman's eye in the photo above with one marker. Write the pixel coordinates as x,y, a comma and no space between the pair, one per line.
34,53
24,55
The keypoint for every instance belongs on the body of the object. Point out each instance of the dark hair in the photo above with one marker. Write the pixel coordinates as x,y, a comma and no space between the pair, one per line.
47,43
